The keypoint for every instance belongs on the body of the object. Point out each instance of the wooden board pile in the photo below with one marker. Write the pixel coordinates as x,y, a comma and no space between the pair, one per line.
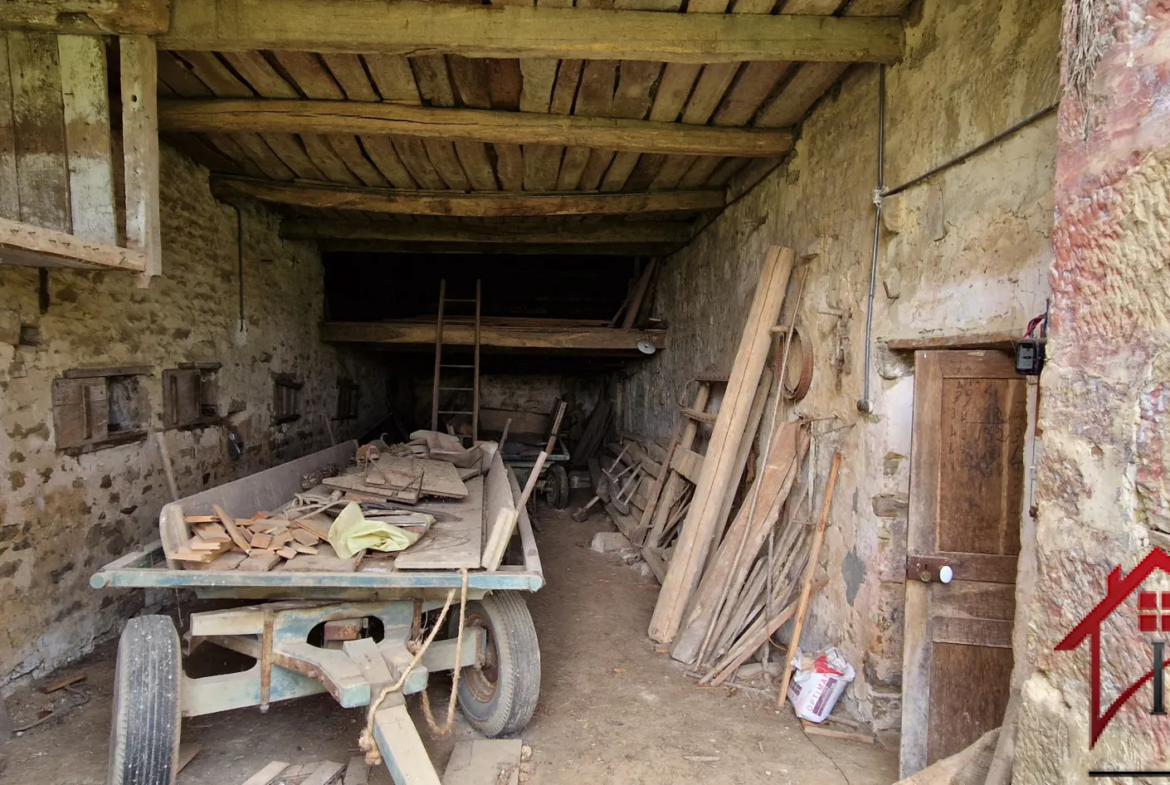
729,582
386,481
257,544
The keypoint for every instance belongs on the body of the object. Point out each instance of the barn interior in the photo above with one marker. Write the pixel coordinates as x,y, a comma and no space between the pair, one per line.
339,220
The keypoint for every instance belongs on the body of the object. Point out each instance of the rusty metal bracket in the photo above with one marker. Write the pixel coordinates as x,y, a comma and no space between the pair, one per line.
925,568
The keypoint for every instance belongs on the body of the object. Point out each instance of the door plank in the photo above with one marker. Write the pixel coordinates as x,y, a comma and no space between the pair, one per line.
978,710
966,502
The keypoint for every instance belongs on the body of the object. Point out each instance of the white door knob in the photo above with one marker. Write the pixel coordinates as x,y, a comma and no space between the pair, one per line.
946,574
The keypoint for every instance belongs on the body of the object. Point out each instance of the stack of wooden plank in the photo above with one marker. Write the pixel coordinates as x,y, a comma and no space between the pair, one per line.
258,544
593,436
728,581
386,481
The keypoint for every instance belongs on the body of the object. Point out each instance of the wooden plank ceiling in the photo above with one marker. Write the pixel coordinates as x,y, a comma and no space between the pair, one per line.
386,151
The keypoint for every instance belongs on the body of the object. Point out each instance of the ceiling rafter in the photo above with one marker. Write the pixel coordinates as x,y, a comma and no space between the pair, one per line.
472,125
419,29
566,233
487,204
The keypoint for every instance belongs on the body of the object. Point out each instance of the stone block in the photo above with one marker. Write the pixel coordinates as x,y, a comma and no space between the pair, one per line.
891,505
608,542
9,327
887,710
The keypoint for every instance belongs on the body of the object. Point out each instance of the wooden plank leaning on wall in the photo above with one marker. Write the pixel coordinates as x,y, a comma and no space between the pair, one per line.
698,529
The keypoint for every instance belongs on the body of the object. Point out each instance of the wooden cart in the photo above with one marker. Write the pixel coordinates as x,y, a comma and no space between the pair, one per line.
345,633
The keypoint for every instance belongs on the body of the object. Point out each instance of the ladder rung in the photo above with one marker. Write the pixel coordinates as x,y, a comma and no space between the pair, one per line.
456,300
456,366
455,411
465,389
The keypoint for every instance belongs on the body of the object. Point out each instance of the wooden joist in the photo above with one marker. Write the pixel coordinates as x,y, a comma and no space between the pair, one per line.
509,31
514,248
34,246
491,204
236,115
664,232
408,333
120,17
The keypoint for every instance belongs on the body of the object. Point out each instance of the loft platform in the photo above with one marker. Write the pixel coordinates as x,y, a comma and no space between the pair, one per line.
570,336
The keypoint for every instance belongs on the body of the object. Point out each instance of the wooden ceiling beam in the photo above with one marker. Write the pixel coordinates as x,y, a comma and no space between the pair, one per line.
560,233
517,248
484,204
82,17
241,115
507,31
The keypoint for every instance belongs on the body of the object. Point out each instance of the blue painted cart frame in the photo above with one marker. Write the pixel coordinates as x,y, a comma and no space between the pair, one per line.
275,631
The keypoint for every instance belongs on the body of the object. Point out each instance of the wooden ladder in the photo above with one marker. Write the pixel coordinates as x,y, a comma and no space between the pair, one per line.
439,387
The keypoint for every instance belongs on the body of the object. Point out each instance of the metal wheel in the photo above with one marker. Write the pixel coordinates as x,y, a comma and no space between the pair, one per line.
556,487
499,696
144,737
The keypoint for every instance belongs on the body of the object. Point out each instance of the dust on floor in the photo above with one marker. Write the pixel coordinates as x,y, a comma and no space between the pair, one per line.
612,710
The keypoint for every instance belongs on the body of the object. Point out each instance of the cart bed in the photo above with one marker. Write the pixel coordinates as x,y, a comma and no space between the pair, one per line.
269,489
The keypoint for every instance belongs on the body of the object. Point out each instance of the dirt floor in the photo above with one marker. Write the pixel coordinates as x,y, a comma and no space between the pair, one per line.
612,710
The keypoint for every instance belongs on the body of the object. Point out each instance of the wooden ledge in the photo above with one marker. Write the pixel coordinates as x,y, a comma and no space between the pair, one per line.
34,246
1002,340
585,339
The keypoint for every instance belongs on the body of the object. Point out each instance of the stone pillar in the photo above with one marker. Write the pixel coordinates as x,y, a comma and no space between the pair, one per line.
1102,486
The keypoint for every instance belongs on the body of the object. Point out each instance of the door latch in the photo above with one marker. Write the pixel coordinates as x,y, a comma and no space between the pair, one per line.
928,569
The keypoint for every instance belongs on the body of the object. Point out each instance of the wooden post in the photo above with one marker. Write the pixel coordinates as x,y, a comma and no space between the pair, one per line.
140,149
86,101
439,355
809,573
690,552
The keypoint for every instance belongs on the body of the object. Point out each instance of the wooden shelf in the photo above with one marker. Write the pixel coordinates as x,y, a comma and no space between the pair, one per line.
564,336
35,246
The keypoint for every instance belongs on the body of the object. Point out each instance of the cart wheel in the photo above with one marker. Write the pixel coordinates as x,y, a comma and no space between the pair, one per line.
559,480
144,738
499,696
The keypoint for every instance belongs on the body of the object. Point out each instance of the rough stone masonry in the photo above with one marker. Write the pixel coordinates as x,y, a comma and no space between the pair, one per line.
1102,489
61,516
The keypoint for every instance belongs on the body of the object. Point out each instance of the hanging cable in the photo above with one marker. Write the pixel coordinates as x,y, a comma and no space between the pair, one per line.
866,404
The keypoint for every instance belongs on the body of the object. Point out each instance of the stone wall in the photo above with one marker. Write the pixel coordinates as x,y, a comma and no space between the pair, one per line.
1102,488
964,252
63,517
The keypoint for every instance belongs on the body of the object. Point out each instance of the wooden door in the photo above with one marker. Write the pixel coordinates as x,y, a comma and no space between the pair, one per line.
966,495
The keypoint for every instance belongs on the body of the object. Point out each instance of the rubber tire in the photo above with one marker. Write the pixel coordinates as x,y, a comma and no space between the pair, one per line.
144,734
511,631
559,478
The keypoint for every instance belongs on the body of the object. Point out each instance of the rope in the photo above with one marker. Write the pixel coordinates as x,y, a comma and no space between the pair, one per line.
426,696
366,740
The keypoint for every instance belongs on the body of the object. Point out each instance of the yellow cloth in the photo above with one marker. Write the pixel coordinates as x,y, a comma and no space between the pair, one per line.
352,532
